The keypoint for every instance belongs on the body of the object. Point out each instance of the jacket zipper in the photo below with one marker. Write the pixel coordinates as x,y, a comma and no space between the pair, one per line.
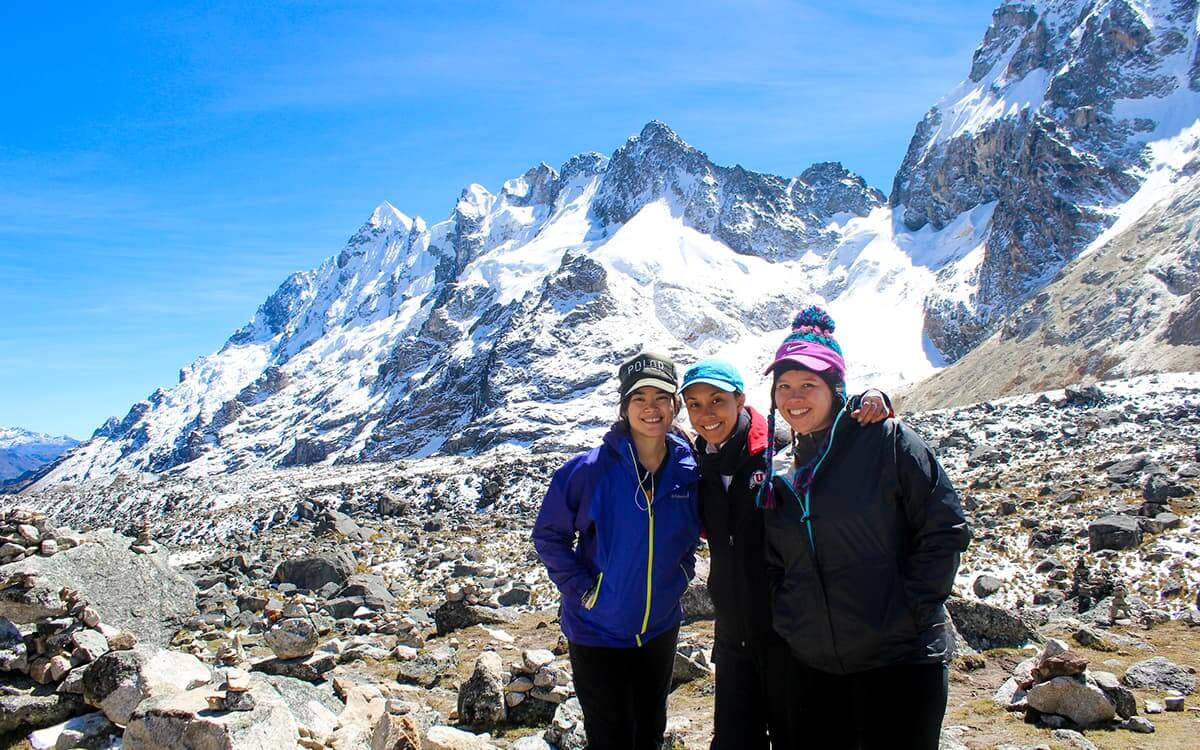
649,547
804,506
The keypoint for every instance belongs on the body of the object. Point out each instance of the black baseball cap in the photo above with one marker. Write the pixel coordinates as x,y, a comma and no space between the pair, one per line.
648,368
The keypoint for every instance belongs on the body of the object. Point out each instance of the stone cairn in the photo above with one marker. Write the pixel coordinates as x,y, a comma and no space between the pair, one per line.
1056,689
55,652
25,533
538,677
144,543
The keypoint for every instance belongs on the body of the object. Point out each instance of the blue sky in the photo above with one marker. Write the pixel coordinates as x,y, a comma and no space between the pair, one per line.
162,170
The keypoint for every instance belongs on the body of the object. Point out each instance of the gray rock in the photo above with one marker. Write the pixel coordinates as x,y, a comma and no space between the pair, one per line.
517,596
314,571
984,626
343,524
481,697
428,667
311,668
120,680
1073,739
1114,532
1159,673
453,616
90,645
566,731
14,655
449,738
367,586
183,720
685,670
1121,696
87,730
1138,724
985,585
532,742
1010,696
292,638
24,705
534,659
147,598
397,733
1160,522
697,603
1073,698
313,705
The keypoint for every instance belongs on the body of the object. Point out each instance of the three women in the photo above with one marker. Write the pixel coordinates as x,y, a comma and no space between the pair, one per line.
839,592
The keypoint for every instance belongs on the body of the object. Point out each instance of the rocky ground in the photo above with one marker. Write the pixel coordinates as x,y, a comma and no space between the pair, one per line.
401,605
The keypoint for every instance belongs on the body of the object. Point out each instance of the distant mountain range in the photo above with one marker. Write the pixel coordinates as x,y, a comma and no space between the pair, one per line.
1012,220
23,453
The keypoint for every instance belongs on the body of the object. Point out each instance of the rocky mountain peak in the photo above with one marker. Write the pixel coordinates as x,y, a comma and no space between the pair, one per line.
388,217
1053,125
538,186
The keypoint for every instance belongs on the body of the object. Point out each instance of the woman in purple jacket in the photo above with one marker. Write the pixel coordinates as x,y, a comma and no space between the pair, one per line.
617,532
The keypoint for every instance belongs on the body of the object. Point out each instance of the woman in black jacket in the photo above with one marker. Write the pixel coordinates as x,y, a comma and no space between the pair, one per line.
863,537
752,710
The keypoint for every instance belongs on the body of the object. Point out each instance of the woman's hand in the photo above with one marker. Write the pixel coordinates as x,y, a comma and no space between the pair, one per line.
871,408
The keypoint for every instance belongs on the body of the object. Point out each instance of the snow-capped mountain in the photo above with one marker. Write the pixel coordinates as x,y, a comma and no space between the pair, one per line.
23,452
503,324
1057,126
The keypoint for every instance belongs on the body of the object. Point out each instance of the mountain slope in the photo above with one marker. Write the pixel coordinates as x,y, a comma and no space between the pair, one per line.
1056,125
1129,307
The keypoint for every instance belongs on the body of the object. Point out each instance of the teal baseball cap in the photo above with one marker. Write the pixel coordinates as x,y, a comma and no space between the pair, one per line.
715,372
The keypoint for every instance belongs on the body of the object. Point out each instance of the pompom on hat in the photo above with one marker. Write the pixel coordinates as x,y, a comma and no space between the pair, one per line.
811,344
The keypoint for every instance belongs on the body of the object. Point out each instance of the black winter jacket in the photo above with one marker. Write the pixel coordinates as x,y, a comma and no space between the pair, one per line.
737,578
860,582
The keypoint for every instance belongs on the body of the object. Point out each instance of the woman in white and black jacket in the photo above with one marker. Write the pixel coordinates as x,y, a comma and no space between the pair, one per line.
863,538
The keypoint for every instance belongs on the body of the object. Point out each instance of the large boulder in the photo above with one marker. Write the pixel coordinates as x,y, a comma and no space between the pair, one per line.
314,571
1114,532
1072,697
481,697
292,638
183,720
1159,673
984,626
138,593
119,681
453,616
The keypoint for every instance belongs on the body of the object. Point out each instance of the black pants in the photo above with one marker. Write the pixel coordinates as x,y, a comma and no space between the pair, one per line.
899,707
623,692
753,706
